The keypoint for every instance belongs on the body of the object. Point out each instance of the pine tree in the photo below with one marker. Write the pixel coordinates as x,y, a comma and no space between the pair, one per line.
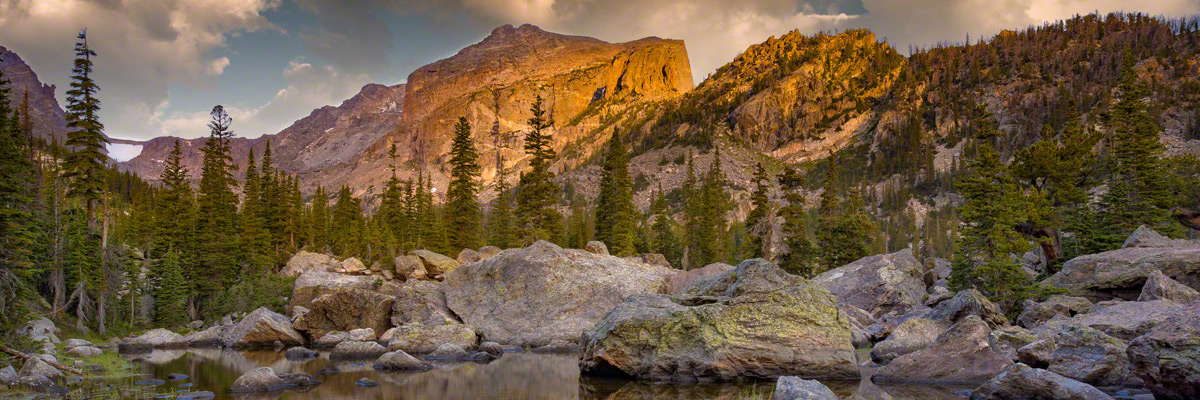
537,195
501,221
758,221
616,216
170,293
801,258
707,209
346,228
664,240
217,209
318,223
463,217
85,163
17,218
254,234
843,227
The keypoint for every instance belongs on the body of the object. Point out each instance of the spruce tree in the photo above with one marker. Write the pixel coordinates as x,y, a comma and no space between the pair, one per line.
801,258
664,240
346,228
537,194
254,234
17,218
708,206
85,162
758,220
463,216
318,223
501,221
170,293
216,220
616,216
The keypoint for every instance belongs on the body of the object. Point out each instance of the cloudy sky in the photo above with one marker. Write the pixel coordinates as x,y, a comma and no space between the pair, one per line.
163,64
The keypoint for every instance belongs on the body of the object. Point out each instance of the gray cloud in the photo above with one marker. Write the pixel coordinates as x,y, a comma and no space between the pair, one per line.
351,36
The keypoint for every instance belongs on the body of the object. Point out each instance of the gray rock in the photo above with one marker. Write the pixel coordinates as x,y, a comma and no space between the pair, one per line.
1035,313
1122,273
878,284
1021,382
487,252
558,346
85,351
73,343
435,264
362,334
366,382
351,266
1167,357
448,351
36,367
492,348
683,280
966,303
938,270
534,295
330,339
356,350
1037,354
195,325
961,355
1145,237
652,259
410,268
912,335
794,324
40,384
1159,286
305,261
154,339
467,256
1122,320
299,353
262,327
299,379
596,247
398,359
422,302
8,375
205,338
418,338
1010,338
795,388
341,309
258,380
1090,356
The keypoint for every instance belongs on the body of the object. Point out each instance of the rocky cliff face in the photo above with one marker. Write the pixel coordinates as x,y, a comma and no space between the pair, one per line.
49,120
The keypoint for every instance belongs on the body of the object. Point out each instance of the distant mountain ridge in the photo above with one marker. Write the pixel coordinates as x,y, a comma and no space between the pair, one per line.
49,119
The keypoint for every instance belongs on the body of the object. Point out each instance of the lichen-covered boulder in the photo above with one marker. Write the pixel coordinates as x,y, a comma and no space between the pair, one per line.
795,388
341,309
398,359
8,376
1167,357
73,343
534,295
1037,354
1022,382
467,256
878,284
965,303
153,339
258,380
1090,356
964,354
304,261
1159,286
418,338
911,335
261,328
421,302
754,322
435,264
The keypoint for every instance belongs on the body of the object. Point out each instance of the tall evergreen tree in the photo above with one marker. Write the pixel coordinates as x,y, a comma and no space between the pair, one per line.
664,240
346,228
463,216
758,220
843,228
616,216
801,258
253,223
17,218
501,221
170,293
216,220
318,223
85,163
708,204
537,195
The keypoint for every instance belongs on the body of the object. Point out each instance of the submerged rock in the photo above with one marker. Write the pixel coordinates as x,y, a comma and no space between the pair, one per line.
258,380
1167,357
299,379
754,322
262,327
1021,382
398,359
154,339
794,388
299,353
448,351
878,284
961,355
417,338
531,296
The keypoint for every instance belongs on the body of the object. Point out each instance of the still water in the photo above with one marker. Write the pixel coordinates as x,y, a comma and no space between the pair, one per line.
517,375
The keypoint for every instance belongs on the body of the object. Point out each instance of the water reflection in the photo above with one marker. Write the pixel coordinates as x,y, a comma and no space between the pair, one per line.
517,375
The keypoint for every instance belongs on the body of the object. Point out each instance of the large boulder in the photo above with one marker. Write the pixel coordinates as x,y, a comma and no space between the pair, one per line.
398,359
35,367
754,322
1167,357
410,267
1090,356
596,247
73,343
261,328
795,388
205,338
1159,286
1022,382
258,380
305,261
153,339
341,309
84,351
1035,313
911,335
356,350
681,280
1122,273
534,295
878,284
1123,320
352,266
418,338
964,354
8,376
966,303
421,302
435,264
467,256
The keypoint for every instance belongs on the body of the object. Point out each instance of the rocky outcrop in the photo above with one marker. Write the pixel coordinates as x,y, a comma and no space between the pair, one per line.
1167,357
299,353
1123,320
356,350
1035,313
534,295
399,360
207,337
878,284
911,335
153,339
261,328
341,309
753,322
48,120
421,302
966,303
964,354
1021,382
1122,273
794,388
418,338
1038,353
258,380
467,256
1159,286
1088,355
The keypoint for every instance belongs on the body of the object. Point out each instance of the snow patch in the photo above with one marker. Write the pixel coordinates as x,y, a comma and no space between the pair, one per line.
124,152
